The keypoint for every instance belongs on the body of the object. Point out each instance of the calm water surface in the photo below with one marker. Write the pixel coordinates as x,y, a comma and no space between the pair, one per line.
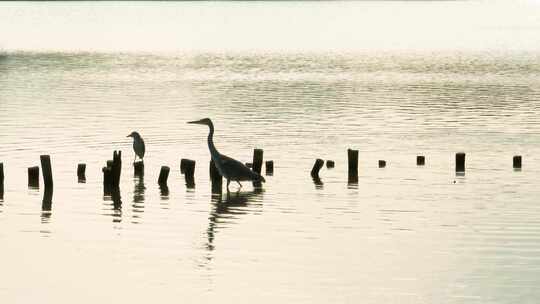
402,234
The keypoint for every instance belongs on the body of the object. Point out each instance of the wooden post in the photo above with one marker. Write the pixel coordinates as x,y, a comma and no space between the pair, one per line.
216,178
163,175
352,156
116,168
460,162
316,167
269,165
315,173
420,160
138,168
162,181
183,162
257,164
187,166
330,164
46,204
257,160
107,178
33,177
382,163
47,171
81,174
517,162
1,181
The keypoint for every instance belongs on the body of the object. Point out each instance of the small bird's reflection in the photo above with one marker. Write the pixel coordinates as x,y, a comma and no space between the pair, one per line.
138,198
229,206
138,190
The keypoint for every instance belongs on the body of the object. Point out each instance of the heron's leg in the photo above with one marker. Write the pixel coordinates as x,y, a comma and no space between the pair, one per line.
228,182
239,184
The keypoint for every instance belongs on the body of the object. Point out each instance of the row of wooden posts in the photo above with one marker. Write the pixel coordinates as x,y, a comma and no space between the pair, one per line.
113,168
352,156
112,171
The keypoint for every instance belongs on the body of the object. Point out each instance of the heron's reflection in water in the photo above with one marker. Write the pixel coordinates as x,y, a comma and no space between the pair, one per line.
138,198
227,208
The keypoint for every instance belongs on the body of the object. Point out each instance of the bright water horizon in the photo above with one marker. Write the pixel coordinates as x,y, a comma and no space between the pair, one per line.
301,80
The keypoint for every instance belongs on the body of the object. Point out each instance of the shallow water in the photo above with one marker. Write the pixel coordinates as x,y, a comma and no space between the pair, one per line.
402,234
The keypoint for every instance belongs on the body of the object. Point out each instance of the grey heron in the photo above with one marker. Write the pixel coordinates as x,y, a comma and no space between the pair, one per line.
228,167
138,145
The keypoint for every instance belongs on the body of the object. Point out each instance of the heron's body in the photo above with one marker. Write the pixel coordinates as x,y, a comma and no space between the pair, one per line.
138,145
228,167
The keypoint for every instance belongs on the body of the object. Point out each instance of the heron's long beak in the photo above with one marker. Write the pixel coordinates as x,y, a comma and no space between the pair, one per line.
129,135
199,122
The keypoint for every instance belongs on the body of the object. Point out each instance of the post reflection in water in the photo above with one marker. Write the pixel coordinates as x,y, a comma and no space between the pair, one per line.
46,210
114,196
138,199
318,183
164,192
46,204
226,209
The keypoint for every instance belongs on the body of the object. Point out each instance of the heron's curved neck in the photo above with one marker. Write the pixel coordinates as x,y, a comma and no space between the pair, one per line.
213,151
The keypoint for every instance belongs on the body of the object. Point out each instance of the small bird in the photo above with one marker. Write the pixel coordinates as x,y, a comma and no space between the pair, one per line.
228,167
138,145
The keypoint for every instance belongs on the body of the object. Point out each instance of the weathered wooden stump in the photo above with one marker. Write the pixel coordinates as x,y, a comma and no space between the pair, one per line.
1,181
47,171
316,168
516,162
163,175
420,160
138,168
460,162
81,173
116,168
257,160
382,163
46,168
187,166
352,156
46,204
215,178
257,164
269,165
330,164
33,177
315,173
107,178
162,181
